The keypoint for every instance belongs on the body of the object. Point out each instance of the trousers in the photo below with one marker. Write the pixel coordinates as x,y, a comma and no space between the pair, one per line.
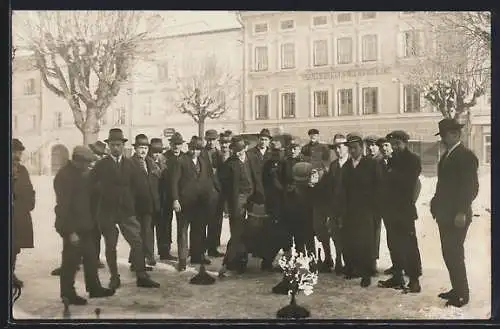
214,225
452,247
131,231
147,236
236,253
167,216
192,218
159,230
71,256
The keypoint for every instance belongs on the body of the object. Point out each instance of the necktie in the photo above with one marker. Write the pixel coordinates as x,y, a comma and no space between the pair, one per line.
144,166
198,169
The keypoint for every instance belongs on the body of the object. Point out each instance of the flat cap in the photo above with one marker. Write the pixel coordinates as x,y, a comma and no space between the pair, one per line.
83,153
196,143
313,131
354,138
237,144
211,134
17,145
381,141
371,139
398,135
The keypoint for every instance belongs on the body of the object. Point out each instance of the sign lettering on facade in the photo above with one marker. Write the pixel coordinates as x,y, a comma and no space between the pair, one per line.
334,75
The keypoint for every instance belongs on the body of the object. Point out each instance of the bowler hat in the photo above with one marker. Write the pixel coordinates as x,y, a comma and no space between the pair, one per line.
265,133
156,145
17,145
237,144
98,148
225,137
371,139
176,138
115,134
398,135
211,134
196,143
447,124
83,153
301,171
313,131
381,141
141,140
354,138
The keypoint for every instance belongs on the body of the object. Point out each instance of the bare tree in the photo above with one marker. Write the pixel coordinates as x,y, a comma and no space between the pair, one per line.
85,56
454,68
206,87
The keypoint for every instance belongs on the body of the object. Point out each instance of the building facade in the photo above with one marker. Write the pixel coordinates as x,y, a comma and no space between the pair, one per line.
342,72
145,104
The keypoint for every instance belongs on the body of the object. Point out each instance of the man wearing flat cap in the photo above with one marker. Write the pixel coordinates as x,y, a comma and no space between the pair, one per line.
214,221
238,186
172,156
23,202
359,185
76,225
315,152
192,184
119,182
456,188
258,155
403,170
148,200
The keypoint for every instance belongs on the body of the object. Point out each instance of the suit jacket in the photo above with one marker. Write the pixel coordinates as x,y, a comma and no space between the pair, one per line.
273,186
148,198
318,154
457,185
214,160
118,185
73,196
257,161
231,175
165,182
23,202
188,186
402,173
328,190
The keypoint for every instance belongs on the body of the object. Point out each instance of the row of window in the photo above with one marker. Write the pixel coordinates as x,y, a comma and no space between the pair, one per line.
318,20
369,45
345,102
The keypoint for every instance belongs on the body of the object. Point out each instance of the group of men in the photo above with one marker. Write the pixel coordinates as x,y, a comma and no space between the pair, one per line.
303,194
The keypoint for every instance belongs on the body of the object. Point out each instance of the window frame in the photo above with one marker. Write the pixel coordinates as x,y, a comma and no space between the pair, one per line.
351,21
281,54
29,87
58,120
377,47
328,102
339,99
322,26
362,107
255,110
288,29
120,113
313,57
363,19
281,104
254,62
486,161
417,35
353,54
404,95
259,23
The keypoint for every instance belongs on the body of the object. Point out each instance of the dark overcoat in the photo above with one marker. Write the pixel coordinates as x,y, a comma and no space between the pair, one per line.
257,160
318,154
165,183
188,186
147,196
23,202
457,185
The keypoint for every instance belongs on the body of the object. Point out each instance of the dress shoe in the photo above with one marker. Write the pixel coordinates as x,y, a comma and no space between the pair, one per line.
339,269
390,270
447,295
114,282
151,262
201,261
413,287
167,256
56,272
147,268
366,281
350,276
393,282
146,282
16,282
215,253
181,266
76,300
101,292
101,265
457,301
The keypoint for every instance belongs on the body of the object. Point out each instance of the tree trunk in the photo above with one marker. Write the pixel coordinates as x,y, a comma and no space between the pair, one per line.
201,127
91,127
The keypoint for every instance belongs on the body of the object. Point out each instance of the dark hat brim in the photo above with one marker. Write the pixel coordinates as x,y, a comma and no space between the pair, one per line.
456,127
96,149
141,144
107,140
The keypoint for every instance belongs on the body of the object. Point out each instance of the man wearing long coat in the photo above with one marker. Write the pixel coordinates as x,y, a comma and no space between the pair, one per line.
23,202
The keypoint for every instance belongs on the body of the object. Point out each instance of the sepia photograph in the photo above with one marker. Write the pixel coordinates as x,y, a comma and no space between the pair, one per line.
250,165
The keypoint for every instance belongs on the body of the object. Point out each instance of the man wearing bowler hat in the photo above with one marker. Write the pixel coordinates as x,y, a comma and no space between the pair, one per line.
76,225
172,156
400,180
315,152
156,150
456,188
148,201
119,181
214,223
359,187
191,187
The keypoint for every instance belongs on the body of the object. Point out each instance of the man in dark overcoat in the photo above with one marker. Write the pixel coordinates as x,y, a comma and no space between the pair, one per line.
148,200
403,170
451,206
315,152
119,182
214,221
257,156
23,202
172,156
192,183
237,186
76,225
359,187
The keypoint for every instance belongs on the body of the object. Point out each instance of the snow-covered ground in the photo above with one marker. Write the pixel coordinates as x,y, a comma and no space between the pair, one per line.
249,296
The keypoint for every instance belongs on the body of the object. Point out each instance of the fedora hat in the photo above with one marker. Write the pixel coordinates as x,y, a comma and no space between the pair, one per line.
115,134
225,137
237,144
17,145
141,140
84,153
398,135
196,143
337,137
211,134
176,138
354,138
265,133
98,148
156,145
447,124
